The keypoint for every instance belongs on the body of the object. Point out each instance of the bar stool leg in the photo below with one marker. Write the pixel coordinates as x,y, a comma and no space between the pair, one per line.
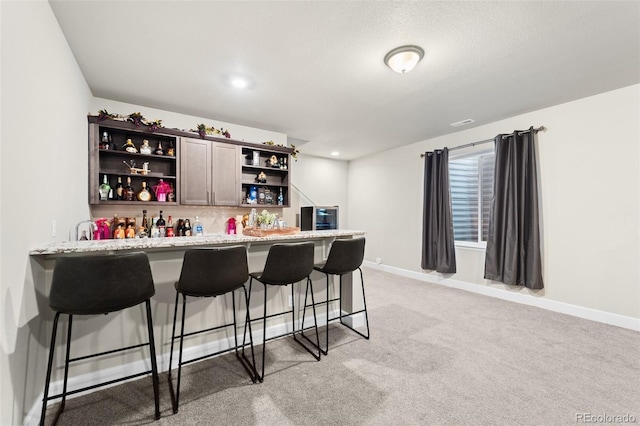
247,366
173,338
49,367
264,332
247,324
366,313
304,313
184,310
154,364
316,344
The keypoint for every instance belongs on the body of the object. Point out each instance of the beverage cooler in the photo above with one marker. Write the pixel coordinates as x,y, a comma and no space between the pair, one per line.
318,218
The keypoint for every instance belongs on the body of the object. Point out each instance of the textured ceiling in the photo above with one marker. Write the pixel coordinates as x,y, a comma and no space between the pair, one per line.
316,67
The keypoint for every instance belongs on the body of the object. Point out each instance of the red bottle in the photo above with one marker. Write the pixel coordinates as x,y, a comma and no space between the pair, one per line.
169,230
231,226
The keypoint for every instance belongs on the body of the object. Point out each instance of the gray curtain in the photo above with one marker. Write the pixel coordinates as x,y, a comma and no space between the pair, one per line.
438,251
513,243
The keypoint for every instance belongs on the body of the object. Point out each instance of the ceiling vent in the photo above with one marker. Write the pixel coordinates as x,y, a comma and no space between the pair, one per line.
461,123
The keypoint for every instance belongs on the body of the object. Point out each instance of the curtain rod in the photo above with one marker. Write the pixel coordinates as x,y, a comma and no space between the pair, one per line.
490,140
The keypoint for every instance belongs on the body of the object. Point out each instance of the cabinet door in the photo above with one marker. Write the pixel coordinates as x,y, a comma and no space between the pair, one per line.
226,174
195,171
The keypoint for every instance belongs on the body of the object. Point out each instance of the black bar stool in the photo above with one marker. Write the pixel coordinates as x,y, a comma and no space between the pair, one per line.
344,257
210,272
286,264
95,285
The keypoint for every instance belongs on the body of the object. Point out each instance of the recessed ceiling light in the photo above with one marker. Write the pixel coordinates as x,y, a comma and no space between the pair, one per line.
239,83
335,153
462,123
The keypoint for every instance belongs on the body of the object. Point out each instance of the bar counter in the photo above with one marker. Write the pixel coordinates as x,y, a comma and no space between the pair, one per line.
177,243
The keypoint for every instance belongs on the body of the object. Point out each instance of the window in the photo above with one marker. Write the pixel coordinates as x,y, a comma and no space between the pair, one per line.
471,179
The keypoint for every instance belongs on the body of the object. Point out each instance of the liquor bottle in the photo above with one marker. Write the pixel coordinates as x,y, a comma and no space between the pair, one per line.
155,232
180,228
121,226
111,196
187,228
130,230
113,225
145,223
144,194
159,150
280,198
199,230
104,189
169,231
119,189
171,151
129,193
160,223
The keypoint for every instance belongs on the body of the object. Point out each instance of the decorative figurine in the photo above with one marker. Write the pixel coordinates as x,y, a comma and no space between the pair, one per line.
273,161
262,178
145,148
130,147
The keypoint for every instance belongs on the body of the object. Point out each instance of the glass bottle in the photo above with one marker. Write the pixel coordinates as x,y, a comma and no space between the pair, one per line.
159,150
160,223
155,232
129,194
171,151
119,189
121,226
145,223
104,189
144,194
199,230
280,198
180,228
187,228
169,231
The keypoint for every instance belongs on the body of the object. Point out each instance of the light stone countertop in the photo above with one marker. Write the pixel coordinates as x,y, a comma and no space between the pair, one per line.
145,244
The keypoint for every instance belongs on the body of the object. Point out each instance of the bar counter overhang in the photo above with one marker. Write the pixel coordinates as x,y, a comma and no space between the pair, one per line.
165,257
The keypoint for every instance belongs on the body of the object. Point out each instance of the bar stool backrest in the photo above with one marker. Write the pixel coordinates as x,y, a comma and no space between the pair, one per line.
213,271
345,256
99,284
288,263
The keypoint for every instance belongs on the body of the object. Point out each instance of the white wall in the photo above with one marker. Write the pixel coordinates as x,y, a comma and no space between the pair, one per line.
589,161
321,182
43,171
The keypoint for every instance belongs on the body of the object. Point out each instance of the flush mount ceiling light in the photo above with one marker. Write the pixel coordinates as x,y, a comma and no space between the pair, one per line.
239,83
404,58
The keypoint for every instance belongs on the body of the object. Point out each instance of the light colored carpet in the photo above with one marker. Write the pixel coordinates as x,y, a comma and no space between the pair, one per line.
437,356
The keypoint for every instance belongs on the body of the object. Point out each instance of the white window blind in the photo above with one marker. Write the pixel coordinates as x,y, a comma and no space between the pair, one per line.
471,180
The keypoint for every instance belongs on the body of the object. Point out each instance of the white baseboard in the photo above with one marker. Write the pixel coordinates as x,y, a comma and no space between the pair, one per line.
525,299
104,375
